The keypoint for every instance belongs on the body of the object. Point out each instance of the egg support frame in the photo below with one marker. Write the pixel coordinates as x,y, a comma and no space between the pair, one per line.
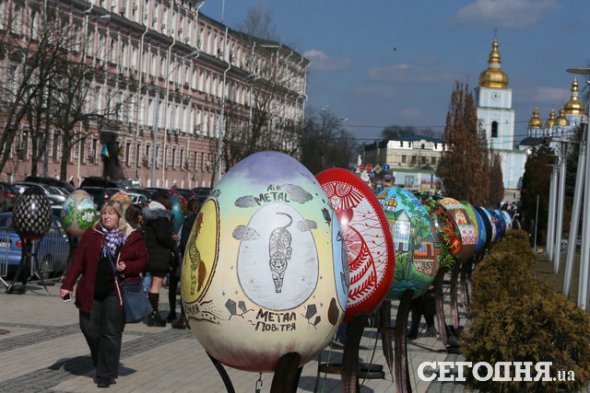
350,367
28,258
286,375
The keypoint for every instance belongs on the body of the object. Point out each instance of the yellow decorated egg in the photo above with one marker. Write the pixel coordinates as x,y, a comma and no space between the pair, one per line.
265,269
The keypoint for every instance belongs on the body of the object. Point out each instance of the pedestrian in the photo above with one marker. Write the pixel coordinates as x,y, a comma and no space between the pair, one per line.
161,244
423,305
109,251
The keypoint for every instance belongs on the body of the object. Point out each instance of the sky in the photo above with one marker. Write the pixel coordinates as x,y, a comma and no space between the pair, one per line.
378,63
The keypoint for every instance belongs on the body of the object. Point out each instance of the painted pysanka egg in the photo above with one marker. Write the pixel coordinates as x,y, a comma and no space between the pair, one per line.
498,219
32,214
78,213
449,237
179,207
368,240
265,270
507,219
123,198
482,230
466,226
415,243
490,225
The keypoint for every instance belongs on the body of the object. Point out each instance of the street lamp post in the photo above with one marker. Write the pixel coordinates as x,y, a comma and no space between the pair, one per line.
581,198
221,128
157,125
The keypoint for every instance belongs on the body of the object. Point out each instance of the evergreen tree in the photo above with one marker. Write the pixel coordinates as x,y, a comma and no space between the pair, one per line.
496,183
465,167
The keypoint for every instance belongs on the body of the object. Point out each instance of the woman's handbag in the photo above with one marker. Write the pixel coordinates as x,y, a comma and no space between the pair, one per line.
135,298
135,301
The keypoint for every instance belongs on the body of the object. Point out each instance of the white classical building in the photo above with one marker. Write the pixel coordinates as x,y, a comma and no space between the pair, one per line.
179,74
496,118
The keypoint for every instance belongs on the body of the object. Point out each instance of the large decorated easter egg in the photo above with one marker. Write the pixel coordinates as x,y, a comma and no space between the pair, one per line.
466,226
32,214
369,245
415,243
265,272
78,213
482,229
449,237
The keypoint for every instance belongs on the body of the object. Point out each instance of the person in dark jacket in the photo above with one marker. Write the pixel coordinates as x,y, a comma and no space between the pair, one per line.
108,252
161,244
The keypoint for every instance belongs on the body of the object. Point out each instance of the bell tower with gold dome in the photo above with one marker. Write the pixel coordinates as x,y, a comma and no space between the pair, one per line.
494,103
496,117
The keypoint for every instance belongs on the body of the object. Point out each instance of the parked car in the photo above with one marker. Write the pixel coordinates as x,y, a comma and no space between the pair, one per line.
146,193
56,197
53,249
100,194
97,181
50,181
154,190
202,193
137,197
8,196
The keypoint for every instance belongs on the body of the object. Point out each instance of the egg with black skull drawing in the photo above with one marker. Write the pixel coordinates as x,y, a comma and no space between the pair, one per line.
262,274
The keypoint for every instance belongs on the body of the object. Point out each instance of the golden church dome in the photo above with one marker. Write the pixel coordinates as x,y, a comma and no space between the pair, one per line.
535,121
494,77
561,119
550,123
574,105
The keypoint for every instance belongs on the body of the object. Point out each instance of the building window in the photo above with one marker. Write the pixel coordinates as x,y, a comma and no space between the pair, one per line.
127,153
413,159
433,160
403,159
423,147
494,129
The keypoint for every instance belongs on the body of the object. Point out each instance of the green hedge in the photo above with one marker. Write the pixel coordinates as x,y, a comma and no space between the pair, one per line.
516,318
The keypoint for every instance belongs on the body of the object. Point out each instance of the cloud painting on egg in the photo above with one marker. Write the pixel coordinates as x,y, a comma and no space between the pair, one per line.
264,273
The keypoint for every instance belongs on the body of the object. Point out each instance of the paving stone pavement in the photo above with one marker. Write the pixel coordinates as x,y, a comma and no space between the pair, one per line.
43,350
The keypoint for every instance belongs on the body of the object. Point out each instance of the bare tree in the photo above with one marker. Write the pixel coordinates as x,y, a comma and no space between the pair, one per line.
324,143
259,23
52,87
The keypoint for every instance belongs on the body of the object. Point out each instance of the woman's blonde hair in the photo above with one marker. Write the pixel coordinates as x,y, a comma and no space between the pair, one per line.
116,207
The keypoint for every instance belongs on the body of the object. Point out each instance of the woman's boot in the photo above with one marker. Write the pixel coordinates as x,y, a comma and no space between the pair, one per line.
154,319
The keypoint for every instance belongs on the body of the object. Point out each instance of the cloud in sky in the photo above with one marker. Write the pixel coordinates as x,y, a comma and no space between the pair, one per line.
320,61
551,95
505,13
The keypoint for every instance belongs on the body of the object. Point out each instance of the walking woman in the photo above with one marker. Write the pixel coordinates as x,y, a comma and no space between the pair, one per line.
161,244
109,250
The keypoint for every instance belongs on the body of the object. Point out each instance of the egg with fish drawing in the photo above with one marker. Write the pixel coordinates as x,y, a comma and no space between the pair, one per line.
263,270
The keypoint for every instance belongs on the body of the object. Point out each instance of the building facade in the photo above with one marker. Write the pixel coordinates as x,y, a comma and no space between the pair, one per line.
410,161
496,118
166,79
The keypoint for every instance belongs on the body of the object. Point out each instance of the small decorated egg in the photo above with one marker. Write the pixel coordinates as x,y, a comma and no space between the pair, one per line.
265,269
179,208
32,214
415,242
78,213
122,198
482,229
449,236
368,240
467,227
